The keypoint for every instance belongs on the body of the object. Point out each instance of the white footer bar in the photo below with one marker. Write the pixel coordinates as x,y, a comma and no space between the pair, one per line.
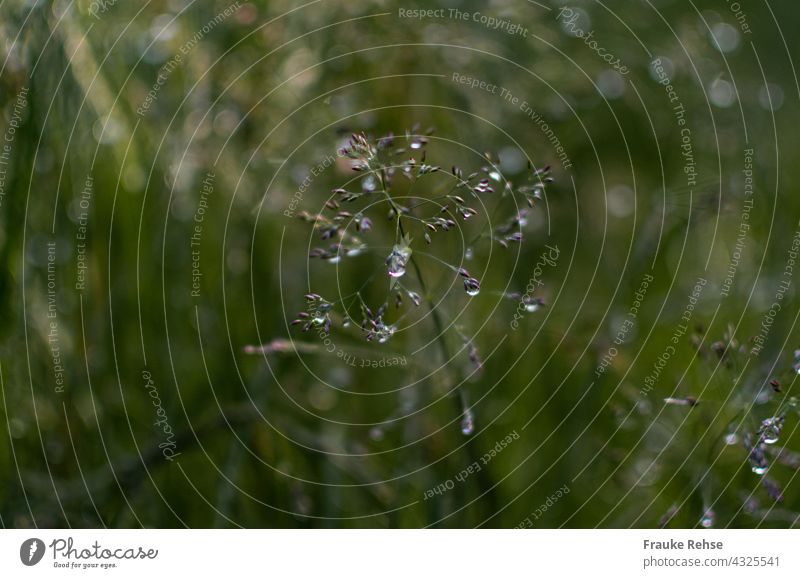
406,553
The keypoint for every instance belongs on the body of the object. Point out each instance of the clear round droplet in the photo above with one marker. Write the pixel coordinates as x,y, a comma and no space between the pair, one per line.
707,521
472,286
495,175
770,430
397,260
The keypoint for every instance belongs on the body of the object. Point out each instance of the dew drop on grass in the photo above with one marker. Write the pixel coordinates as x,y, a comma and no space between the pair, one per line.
385,333
472,286
467,422
758,459
707,521
532,305
770,429
397,260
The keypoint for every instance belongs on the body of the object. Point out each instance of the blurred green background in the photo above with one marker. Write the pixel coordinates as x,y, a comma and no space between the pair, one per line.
114,114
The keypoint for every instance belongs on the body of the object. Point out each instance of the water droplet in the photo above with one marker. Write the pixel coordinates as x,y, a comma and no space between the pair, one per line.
472,286
757,458
468,254
416,144
731,439
770,430
707,521
368,183
384,332
496,176
610,84
532,304
467,422
512,160
721,93
318,311
355,250
397,260
725,36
